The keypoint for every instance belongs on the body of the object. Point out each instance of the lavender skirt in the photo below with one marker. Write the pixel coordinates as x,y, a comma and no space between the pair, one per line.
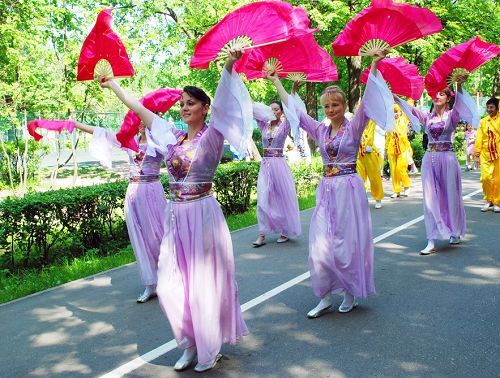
145,205
277,204
196,281
340,238
444,212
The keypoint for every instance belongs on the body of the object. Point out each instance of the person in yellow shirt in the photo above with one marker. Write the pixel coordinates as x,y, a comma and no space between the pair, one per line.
487,149
369,164
398,149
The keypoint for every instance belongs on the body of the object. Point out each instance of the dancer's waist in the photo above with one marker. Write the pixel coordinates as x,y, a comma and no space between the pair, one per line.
189,191
273,152
440,146
144,178
339,169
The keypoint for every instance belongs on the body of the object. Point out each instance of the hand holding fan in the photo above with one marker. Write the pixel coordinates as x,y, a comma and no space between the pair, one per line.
253,25
457,61
103,53
382,25
401,77
159,101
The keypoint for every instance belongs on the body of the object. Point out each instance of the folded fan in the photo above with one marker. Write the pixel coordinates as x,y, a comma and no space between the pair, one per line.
54,125
403,78
252,25
160,101
459,60
384,24
103,53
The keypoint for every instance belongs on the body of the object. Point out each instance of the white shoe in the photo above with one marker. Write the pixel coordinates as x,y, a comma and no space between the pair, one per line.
200,368
496,209
395,195
428,249
323,306
282,239
186,359
454,240
405,192
378,204
348,303
486,206
149,292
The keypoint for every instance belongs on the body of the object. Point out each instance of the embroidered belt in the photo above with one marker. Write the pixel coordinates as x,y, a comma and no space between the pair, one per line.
440,146
189,191
273,152
332,170
151,178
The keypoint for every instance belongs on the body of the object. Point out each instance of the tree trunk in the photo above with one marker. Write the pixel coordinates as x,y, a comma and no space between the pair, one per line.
9,168
354,75
24,178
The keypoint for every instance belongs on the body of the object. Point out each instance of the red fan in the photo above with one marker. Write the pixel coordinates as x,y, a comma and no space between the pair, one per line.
459,60
384,24
49,125
402,77
299,58
157,101
103,53
252,25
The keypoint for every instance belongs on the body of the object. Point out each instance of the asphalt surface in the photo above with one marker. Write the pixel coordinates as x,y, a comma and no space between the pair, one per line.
433,316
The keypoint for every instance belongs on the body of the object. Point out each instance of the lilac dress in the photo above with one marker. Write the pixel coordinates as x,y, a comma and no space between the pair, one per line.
340,236
145,201
196,273
444,212
277,204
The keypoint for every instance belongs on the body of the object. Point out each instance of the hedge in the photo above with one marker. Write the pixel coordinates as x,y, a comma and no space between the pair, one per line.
47,226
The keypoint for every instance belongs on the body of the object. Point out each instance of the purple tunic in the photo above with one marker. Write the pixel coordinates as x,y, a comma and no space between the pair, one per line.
196,273
145,201
277,204
444,212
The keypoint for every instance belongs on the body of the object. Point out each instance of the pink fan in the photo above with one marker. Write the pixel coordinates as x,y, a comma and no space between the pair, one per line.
157,101
459,60
383,25
48,125
253,25
298,59
402,77
103,53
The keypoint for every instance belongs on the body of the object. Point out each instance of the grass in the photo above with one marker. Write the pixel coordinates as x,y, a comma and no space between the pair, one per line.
32,281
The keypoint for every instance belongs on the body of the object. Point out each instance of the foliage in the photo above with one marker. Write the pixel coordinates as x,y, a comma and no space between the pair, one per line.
418,149
459,144
233,185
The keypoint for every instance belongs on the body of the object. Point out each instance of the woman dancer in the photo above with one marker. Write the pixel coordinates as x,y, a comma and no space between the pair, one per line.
340,237
444,213
196,284
145,201
470,140
398,150
277,204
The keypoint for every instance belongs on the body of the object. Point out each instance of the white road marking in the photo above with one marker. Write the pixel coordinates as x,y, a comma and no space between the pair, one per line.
171,345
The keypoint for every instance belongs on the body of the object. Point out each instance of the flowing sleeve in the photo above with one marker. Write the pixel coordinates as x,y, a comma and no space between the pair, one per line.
262,114
232,111
159,136
101,145
466,109
298,118
416,116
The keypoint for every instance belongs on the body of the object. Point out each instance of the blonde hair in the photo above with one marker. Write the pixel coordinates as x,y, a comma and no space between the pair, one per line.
332,90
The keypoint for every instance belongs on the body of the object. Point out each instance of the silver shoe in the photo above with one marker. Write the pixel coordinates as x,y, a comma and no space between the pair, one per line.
186,360
144,297
321,308
346,309
454,240
200,368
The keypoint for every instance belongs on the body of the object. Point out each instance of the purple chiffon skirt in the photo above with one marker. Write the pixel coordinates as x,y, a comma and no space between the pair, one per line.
145,205
444,212
340,238
196,278
277,204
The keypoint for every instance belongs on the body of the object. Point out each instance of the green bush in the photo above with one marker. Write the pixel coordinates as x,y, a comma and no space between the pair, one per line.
418,149
307,177
233,185
459,145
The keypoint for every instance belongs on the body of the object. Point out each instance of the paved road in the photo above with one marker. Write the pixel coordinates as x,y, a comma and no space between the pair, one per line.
433,316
